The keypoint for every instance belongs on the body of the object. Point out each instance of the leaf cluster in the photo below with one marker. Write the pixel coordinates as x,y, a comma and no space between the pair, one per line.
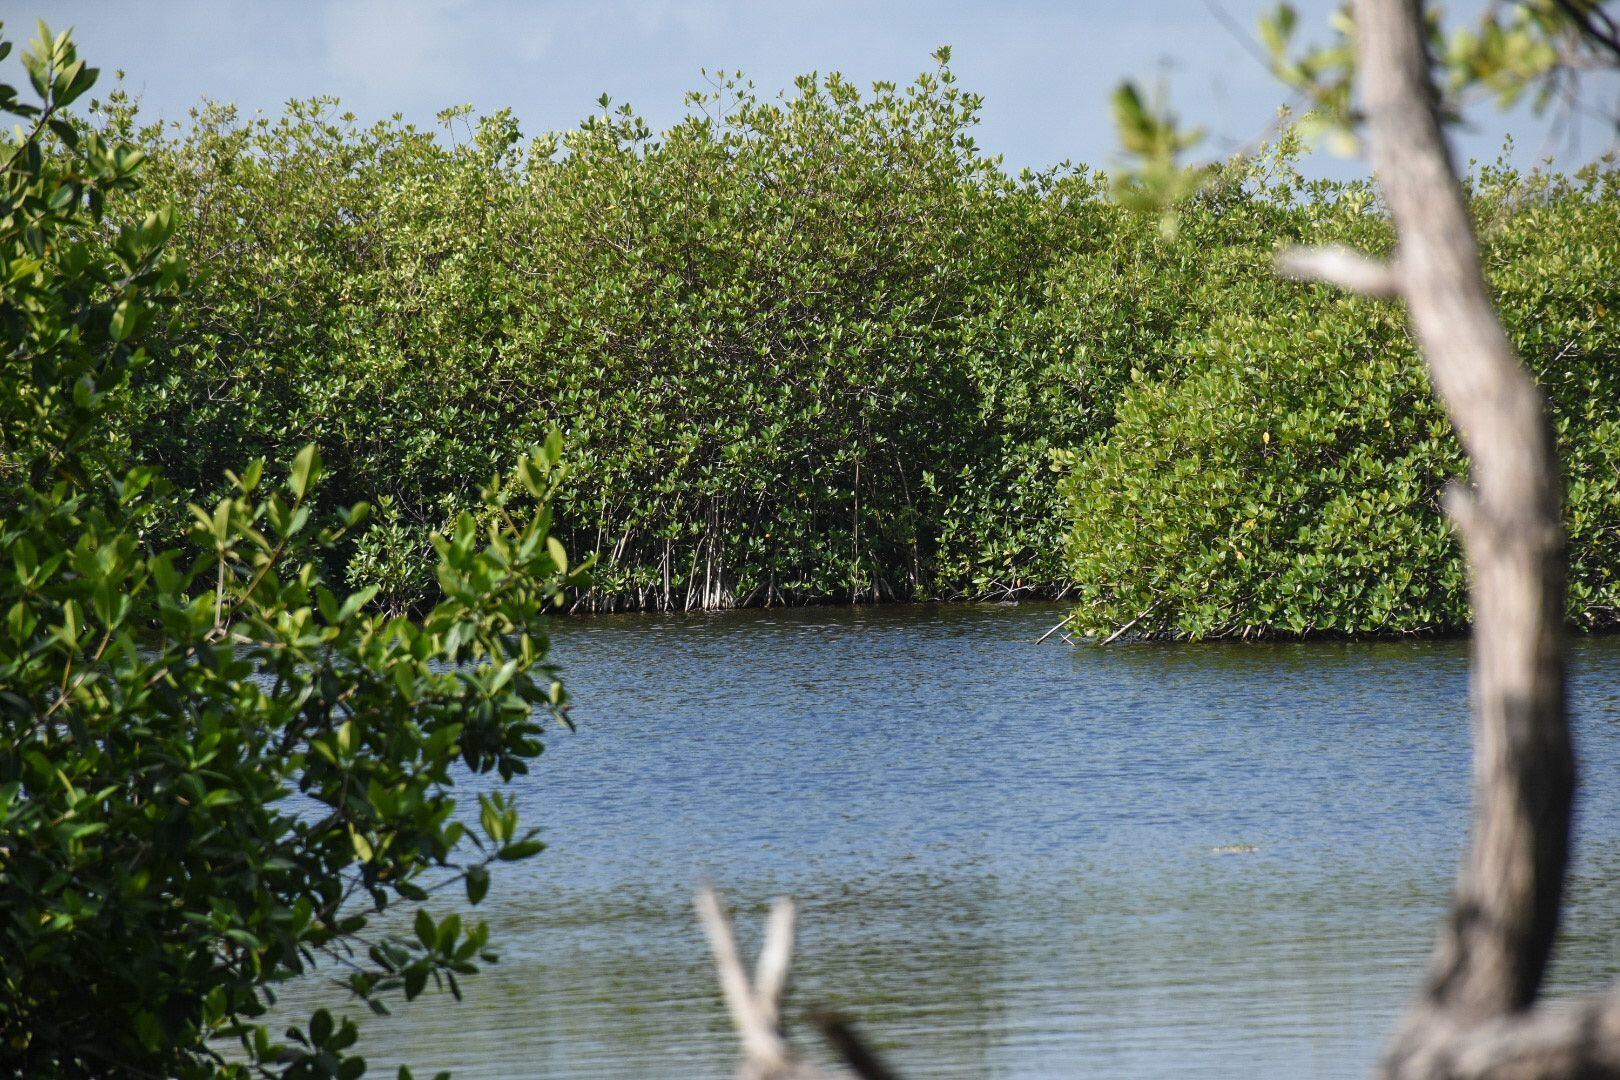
219,770
808,348
1286,481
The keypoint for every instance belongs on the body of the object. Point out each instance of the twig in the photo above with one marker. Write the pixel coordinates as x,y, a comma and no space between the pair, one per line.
1586,18
1122,631
1342,266
847,1043
1056,628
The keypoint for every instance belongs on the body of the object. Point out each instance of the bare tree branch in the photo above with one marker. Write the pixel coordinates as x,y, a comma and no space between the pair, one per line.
756,1008
766,1054
1593,22
851,1049
775,960
1494,949
1474,1018
1345,267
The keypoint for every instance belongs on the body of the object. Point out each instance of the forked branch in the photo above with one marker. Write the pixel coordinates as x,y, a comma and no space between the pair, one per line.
756,1005
755,1011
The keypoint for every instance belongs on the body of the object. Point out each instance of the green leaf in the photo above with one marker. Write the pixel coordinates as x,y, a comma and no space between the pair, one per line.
477,884
306,469
122,323
425,932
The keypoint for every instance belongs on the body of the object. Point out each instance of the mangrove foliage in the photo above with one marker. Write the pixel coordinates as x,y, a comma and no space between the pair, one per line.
821,347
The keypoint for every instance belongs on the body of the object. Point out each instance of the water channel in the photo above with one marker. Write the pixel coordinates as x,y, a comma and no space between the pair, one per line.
1006,855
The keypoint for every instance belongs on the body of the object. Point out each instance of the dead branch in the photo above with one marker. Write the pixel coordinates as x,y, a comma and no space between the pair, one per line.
1067,619
766,1054
848,1045
756,1006
1345,267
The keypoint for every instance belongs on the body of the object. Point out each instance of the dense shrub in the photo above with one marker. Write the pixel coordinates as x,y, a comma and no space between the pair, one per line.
1288,481
216,771
823,348
813,348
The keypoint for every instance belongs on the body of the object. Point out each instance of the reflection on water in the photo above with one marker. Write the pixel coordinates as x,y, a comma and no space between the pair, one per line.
1003,852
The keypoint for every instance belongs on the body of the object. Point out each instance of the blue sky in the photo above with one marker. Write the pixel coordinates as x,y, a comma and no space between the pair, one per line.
1045,68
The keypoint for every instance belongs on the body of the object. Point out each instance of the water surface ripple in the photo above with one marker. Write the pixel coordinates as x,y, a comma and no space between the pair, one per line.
1003,852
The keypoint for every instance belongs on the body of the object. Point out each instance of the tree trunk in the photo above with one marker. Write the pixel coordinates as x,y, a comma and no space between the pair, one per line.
1474,1016
1495,947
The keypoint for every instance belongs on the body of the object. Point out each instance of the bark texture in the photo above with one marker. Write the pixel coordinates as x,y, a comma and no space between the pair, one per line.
1474,1017
1494,950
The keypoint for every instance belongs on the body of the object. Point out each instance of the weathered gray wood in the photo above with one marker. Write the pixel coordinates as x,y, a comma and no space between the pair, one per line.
756,1006
755,1011
1494,949
1474,1017
1550,1042
1341,266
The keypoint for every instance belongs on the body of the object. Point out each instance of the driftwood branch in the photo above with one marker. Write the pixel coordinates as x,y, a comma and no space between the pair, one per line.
756,1005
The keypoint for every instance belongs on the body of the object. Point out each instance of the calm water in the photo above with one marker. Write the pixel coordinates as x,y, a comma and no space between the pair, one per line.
1002,851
